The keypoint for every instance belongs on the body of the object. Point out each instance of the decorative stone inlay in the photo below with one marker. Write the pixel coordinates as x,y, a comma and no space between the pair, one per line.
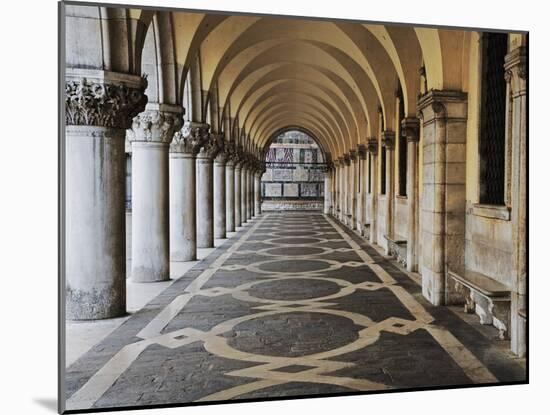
388,139
103,99
410,128
372,146
157,124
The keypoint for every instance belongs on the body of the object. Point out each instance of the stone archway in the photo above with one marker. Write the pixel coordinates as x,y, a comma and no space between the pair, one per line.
294,176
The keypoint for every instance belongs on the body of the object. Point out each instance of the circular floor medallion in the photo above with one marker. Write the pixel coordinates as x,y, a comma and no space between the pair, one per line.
293,334
294,289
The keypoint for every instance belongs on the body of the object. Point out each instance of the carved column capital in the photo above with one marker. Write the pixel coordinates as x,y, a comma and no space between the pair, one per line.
211,147
515,67
353,155
372,146
189,139
230,151
346,159
156,124
388,139
103,98
222,155
362,151
410,129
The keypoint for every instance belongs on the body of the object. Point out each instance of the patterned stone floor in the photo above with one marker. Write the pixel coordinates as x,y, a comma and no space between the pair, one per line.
298,305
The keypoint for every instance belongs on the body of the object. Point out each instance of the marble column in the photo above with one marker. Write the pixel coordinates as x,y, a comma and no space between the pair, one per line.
336,204
150,135
230,195
388,141
372,148
238,170
410,129
220,225
258,192
444,115
205,192
352,215
347,189
327,189
244,192
342,190
250,193
516,76
183,222
99,107
361,188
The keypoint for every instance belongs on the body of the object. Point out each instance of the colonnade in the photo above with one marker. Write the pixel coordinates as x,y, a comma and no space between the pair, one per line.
190,186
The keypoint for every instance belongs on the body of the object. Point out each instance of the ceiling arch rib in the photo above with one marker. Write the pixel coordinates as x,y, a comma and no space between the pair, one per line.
254,70
404,50
313,79
295,114
322,32
296,120
285,91
332,127
283,99
304,130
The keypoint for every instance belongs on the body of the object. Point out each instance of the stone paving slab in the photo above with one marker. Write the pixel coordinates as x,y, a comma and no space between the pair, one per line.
297,305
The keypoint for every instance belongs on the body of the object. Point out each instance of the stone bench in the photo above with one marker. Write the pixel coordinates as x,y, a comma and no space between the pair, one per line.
488,298
397,248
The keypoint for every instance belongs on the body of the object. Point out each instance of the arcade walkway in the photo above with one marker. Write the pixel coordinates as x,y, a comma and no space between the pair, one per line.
295,305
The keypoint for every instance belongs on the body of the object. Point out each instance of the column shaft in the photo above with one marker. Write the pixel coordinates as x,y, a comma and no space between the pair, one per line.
183,221
95,223
150,212
219,198
205,202
258,193
244,194
250,194
238,177
328,193
230,196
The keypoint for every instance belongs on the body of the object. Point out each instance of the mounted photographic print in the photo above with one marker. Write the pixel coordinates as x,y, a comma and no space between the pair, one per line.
273,207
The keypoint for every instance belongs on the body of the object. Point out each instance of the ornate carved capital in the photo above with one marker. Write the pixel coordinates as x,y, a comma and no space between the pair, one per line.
515,66
372,146
157,124
189,139
347,160
222,155
353,155
410,128
388,139
362,151
211,147
103,99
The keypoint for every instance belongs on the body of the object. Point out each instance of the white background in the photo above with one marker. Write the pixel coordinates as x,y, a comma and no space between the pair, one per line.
28,205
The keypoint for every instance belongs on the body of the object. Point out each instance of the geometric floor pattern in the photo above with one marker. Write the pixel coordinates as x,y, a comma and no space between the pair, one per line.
297,305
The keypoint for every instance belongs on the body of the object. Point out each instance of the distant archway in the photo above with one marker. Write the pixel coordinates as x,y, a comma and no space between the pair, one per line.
295,168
